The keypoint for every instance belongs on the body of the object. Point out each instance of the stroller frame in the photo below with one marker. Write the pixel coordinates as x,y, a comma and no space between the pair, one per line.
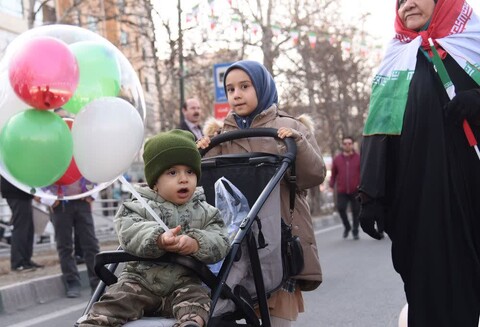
244,304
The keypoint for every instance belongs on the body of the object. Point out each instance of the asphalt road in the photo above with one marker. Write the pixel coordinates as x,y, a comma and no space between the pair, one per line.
360,289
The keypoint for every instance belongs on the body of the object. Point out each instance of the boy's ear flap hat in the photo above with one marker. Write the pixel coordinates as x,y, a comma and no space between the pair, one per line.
167,149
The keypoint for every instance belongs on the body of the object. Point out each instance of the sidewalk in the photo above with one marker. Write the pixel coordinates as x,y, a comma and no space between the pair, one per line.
20,291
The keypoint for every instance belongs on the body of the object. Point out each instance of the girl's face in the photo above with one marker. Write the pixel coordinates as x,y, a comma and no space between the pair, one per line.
241,94
415,13
177,184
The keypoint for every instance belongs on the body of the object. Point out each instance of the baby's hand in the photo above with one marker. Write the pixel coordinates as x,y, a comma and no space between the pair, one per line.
169,238
284,132
203,143
186,245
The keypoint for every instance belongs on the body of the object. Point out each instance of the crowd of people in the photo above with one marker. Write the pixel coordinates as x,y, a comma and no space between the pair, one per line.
413,176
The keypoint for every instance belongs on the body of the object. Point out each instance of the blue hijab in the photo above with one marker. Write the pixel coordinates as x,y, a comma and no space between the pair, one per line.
264,86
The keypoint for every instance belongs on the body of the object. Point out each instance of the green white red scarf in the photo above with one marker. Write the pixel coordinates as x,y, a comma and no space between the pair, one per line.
454,28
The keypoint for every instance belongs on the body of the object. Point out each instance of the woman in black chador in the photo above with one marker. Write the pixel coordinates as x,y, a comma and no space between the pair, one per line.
419,175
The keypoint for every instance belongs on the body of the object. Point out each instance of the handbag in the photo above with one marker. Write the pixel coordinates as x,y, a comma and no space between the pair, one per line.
292,252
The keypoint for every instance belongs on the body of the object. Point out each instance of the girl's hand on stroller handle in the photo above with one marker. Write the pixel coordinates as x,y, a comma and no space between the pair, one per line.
284,132
203,143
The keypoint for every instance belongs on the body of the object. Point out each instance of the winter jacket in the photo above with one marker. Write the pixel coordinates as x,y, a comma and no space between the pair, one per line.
310,172
138,232
10,191
346,173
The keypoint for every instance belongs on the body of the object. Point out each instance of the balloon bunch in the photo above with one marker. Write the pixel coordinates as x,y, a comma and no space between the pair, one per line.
71,108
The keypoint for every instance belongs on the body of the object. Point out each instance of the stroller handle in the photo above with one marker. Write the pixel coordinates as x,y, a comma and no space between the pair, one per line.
253,132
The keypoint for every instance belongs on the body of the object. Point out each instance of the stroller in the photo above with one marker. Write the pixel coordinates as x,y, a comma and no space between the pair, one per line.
256,265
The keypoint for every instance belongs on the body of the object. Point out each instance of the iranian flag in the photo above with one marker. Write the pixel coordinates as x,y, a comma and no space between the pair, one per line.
457,32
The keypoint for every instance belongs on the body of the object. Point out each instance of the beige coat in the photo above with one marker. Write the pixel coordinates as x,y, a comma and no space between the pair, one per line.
310,171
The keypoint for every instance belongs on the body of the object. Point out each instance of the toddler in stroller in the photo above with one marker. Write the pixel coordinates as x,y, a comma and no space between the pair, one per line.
255,266
172,166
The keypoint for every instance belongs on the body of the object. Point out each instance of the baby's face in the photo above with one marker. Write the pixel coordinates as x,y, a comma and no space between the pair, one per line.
241,94
177,184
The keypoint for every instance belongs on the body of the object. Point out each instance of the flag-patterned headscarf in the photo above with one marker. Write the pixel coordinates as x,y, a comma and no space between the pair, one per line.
454,29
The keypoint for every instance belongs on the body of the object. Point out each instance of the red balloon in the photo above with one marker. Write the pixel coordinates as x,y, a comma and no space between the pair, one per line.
72,174
44,73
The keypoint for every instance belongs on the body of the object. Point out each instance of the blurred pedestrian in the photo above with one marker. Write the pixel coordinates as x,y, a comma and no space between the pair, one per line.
70,217
191,117
344,181
22,238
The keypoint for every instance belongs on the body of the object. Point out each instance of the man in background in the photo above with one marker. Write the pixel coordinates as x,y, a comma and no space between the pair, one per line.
69,218
191,118
21,249
344,180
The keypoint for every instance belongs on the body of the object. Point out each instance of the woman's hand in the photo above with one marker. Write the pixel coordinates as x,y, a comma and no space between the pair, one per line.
203,143
284,132
465,105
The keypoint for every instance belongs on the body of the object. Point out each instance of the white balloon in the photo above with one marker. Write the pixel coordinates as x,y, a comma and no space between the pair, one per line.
403,317
10,103
107,134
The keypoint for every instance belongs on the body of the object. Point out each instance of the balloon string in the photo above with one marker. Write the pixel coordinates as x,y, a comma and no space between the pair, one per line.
144,203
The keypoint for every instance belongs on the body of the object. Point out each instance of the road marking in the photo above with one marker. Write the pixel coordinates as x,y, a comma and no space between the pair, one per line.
33,322
325,230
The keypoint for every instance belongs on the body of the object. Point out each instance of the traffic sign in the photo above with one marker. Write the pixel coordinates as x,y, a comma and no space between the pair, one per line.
218,74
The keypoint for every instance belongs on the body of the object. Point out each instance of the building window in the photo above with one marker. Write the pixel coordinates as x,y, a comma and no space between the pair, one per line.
49,15
145,84
123,38
92,24
121,6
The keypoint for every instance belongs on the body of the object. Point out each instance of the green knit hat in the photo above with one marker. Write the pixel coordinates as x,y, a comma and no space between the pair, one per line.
164,150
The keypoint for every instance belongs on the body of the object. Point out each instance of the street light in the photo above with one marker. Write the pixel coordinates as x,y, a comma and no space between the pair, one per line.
180,59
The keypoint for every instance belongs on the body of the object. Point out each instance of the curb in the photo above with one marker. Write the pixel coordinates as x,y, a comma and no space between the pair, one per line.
27,294
21,296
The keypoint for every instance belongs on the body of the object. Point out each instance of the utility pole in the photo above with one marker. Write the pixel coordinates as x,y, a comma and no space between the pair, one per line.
180,59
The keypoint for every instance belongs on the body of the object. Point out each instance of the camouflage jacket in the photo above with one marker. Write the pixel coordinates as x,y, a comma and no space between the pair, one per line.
138,231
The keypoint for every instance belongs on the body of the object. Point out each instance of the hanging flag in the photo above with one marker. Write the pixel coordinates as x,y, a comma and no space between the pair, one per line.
195,11
276,30
212,5
332,40
236,23
255,28
347,46
213,22
312,39
294,35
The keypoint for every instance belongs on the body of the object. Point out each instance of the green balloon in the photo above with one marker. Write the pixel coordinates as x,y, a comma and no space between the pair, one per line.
99,74
36,147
